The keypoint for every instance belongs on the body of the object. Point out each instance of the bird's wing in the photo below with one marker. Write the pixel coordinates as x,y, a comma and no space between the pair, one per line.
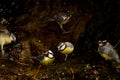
40,57
101,49
50,19
113,53
58,18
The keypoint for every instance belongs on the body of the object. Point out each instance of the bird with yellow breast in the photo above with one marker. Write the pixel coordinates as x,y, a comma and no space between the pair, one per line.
45,58
65,48
107,51
5,38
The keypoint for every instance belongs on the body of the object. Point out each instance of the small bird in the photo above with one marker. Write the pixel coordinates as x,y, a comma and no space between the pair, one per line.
5,38
65,48
107,51
46,58
61,18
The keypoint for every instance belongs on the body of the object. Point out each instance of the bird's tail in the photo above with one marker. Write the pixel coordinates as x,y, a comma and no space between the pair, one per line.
49,19
39,57
33,57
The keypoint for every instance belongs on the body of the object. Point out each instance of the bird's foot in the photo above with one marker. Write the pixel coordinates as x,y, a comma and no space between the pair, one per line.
3,55
66,57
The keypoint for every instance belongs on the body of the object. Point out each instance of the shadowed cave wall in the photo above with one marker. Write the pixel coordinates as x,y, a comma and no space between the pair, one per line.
91,21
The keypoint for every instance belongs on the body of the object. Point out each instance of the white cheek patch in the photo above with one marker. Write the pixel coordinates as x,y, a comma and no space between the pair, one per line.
12,37
50,56
64,17
100,44
62,47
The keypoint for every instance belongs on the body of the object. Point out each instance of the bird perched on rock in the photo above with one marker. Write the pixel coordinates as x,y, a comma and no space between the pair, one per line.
65,48
5,38
107,51
61,18
46,58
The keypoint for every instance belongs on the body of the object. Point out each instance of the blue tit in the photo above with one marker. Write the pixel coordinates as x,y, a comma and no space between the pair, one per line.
46,58
5,38
65,48
61,18
107,51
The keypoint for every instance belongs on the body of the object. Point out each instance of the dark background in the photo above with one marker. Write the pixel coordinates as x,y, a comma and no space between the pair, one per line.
92,20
